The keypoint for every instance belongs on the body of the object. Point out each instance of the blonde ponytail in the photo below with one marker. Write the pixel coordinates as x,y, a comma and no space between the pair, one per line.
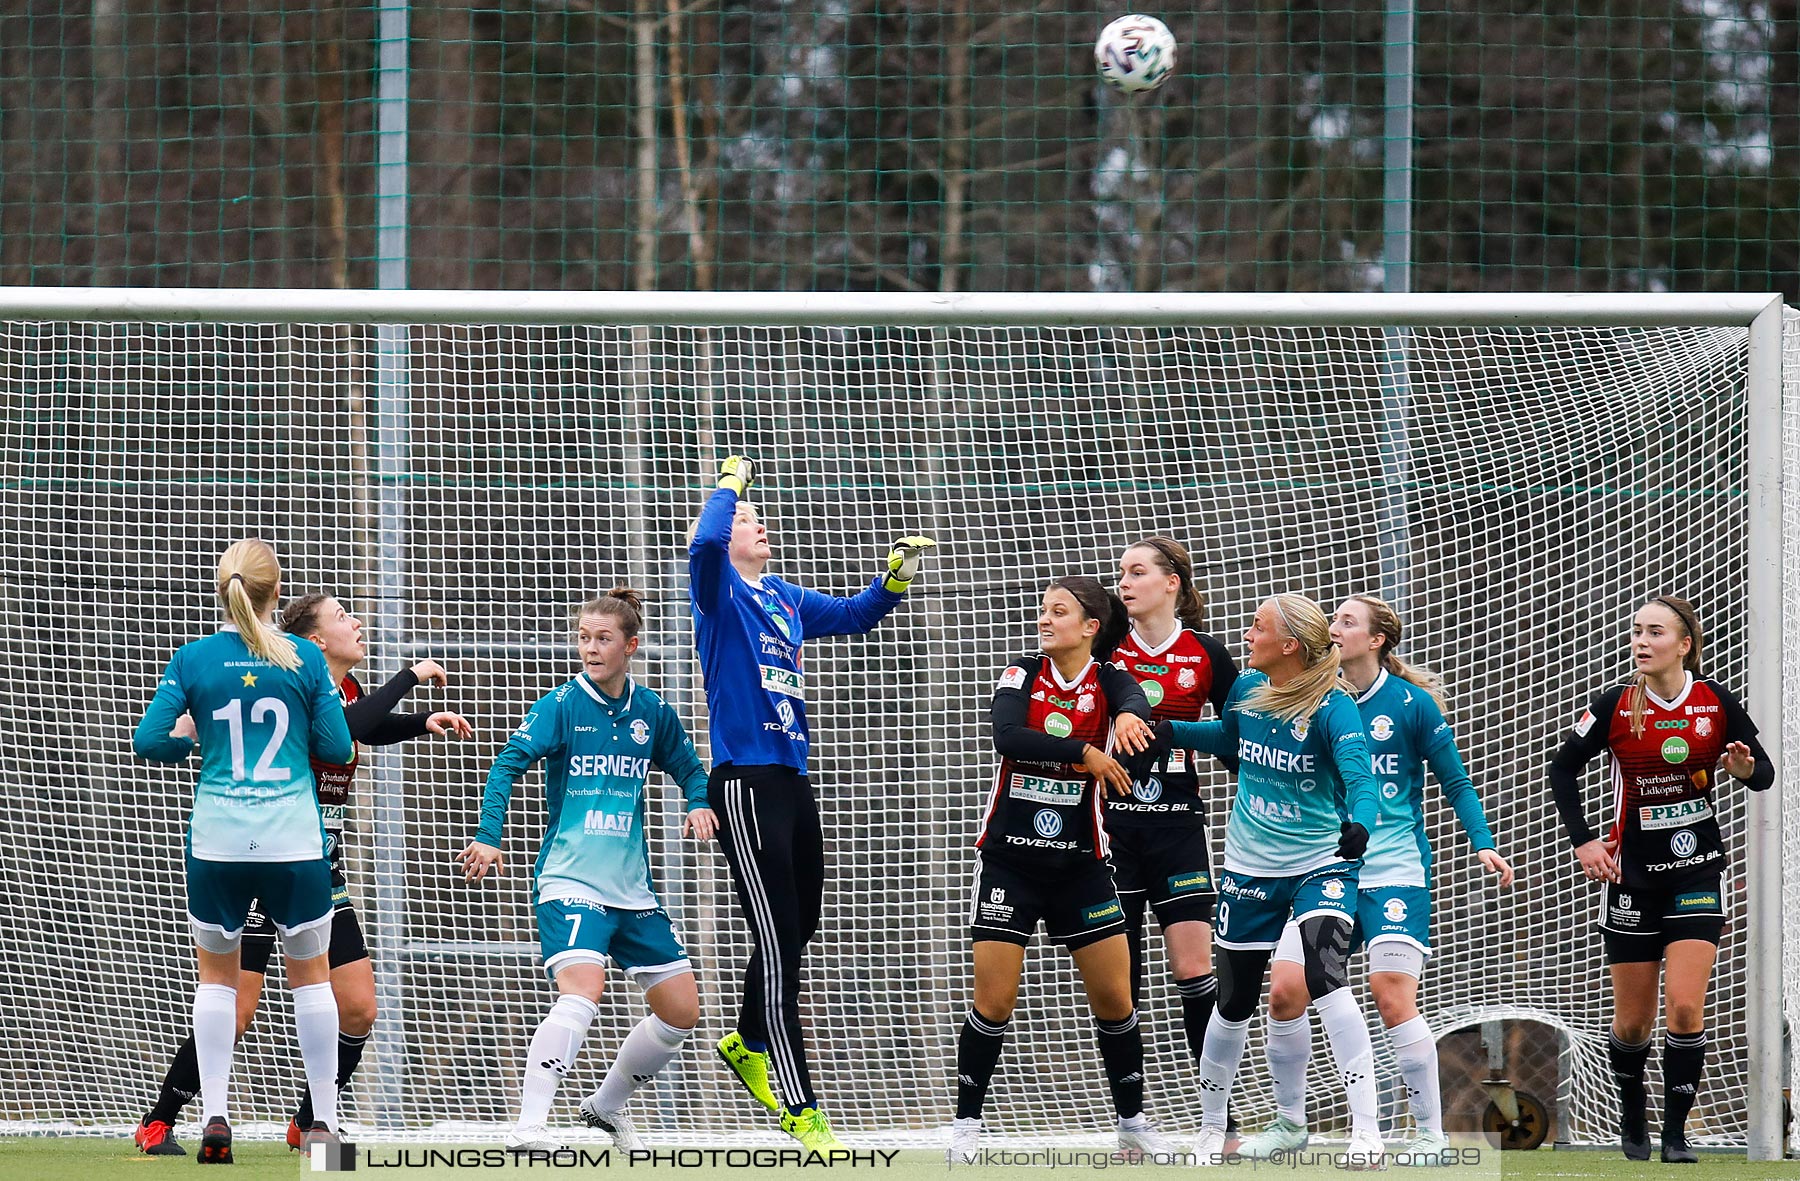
1384,621
249,578
1302,620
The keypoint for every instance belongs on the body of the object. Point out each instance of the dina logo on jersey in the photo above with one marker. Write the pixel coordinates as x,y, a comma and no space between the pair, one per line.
1382,728
1301,728
1058,726
1675,749
640,731
1683,843
1153,692
778,616
1148,791
1047,822
1394,910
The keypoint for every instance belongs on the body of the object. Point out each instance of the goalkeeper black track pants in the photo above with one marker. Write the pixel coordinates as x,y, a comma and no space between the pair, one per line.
769,830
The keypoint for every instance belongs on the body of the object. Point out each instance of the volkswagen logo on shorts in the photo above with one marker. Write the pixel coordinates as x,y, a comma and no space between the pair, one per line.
1047,822
1148,791
1684,843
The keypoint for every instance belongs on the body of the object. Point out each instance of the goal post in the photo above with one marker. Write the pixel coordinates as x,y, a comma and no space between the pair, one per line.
462,467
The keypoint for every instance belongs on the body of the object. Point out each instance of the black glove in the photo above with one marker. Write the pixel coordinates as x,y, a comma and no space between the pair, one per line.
1354,842
1142,765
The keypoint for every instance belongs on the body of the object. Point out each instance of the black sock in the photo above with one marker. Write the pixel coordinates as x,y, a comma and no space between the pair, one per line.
977,1053
179,1086
350,1052
1122,1049
1628,1072
1199,994
1684,1056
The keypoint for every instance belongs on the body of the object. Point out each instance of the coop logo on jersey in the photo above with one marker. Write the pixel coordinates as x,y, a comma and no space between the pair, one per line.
1058,726
1382,728
1047,823
1675,749
1013,677
1148,791
1153,692
1301,727
1394,910
1333,888
1683,843
640,731
1702,726
1186,679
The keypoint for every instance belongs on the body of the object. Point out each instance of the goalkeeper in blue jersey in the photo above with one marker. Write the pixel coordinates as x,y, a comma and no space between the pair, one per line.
1294,842
749,627
261,708
1402,713
596,900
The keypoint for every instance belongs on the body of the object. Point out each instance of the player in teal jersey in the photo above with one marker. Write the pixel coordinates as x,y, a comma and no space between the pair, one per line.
596,900
1402,714
1299,824
261,709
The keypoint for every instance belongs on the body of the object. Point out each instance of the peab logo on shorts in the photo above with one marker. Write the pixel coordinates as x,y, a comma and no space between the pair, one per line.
1394,910
1047,822
1683,843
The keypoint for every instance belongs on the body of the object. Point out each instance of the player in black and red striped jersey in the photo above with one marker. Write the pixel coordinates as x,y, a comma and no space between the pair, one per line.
1669,732
1043,847
372,721
1162,851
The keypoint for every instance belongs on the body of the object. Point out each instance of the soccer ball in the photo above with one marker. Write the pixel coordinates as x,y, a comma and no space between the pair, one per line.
1135,53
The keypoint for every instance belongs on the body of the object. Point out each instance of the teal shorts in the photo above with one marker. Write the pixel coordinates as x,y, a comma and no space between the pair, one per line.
641,942
1400,913
292,894
1252,911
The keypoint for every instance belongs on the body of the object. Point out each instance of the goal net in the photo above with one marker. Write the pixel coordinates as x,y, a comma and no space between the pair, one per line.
461,481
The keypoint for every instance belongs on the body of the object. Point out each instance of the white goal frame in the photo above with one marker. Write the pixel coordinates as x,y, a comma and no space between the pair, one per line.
1761,314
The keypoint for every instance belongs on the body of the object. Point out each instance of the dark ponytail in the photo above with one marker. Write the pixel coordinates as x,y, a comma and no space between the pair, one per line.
1100,604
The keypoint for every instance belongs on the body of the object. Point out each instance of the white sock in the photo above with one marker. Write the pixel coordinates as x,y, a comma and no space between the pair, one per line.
1219,1067
1354,1055
215,1033
1416,1051
651,1045
1290,1049
552,1052
316,1023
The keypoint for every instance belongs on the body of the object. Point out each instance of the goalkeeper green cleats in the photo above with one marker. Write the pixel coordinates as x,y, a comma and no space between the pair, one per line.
811,1129
751,1068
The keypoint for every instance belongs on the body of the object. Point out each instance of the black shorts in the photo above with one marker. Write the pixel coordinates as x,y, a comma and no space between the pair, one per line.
1076,903
347,943
1638,924
1170,867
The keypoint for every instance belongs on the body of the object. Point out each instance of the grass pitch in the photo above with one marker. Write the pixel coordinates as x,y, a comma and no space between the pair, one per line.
77,1158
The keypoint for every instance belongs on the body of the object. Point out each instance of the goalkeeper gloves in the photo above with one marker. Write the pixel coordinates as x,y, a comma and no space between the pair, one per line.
735,473
1353,841
903,562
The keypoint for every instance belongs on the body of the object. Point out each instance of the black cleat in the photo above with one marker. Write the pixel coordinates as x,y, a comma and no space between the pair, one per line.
1675,1150
1634,1138
215,1143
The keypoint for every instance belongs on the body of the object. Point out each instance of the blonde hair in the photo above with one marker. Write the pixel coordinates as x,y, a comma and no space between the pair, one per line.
1302,620
1639,694
1384,621
249,578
